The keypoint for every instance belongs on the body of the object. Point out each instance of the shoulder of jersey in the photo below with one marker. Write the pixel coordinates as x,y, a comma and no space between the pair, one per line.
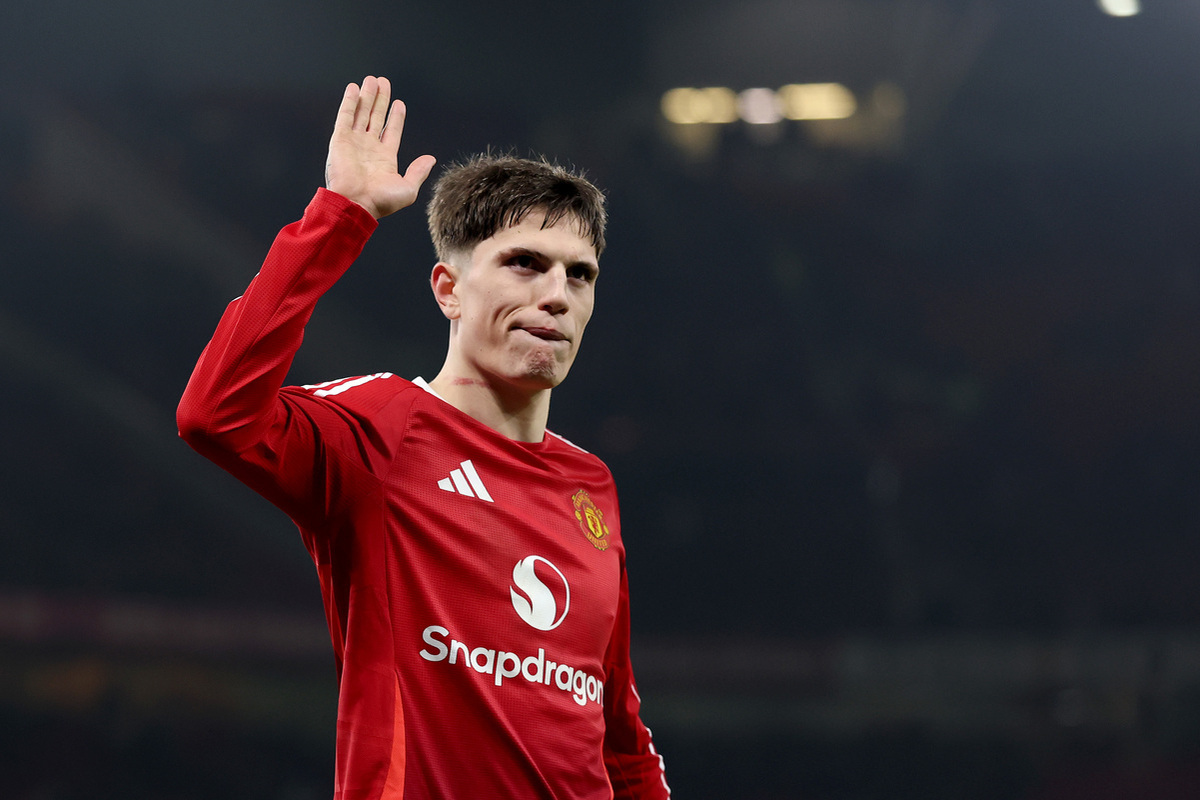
570,446
380,388
365,390
571,450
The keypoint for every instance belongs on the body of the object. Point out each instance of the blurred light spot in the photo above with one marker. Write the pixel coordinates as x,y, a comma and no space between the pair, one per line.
686,106
1120,8
817,101
759,106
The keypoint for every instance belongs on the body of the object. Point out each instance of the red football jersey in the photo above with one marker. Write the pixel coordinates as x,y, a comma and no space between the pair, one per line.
474,586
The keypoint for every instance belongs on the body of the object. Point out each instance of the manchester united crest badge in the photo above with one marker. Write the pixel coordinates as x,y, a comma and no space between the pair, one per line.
591,520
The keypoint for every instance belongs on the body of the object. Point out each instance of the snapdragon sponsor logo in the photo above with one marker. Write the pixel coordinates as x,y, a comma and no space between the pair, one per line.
533,600
503,665
542,602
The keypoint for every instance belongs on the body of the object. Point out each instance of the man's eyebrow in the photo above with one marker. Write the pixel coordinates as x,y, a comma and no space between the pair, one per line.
521,250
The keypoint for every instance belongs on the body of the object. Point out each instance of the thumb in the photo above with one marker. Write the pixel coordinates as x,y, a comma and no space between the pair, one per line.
419,170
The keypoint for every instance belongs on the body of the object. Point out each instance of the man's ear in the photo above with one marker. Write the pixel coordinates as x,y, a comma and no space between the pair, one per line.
444,280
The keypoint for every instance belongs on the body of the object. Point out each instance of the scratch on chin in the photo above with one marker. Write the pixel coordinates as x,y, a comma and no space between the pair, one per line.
469,382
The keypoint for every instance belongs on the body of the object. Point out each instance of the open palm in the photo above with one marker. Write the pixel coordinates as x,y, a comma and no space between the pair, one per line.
363,151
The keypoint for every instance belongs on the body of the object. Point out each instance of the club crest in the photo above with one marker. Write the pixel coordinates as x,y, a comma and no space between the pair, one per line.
591,520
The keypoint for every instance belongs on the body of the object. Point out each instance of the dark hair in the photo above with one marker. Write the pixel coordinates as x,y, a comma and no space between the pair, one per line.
474,199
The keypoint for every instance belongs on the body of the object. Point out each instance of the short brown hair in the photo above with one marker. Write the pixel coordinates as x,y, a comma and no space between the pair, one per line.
474,199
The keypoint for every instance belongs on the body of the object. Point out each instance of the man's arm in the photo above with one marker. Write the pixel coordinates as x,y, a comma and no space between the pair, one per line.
233,410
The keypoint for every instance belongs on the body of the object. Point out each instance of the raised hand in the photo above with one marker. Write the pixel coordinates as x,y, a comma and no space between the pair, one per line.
362,163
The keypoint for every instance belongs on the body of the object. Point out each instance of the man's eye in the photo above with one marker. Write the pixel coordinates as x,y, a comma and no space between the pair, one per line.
523,261
581,273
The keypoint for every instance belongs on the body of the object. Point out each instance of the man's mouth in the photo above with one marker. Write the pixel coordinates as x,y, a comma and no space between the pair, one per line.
546,334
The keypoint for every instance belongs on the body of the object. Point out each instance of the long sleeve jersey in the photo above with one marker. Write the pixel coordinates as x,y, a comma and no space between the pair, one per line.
474,586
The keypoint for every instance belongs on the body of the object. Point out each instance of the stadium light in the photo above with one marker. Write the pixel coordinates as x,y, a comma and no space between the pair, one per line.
686,106
797,101
1120,8
759,106
817,101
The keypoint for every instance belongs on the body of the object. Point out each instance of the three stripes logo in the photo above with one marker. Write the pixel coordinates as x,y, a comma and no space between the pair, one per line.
465,481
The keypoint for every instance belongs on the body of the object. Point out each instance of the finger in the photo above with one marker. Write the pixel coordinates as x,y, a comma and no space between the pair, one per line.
366,100
419,170
345,112
395,125
379,108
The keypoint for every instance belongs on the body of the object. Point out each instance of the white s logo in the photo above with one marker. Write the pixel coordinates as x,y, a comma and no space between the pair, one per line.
536,603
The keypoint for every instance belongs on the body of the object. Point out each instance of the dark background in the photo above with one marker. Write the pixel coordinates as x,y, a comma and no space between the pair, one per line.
902,407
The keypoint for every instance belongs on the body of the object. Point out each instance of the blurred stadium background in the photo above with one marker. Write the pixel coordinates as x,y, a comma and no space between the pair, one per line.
896,360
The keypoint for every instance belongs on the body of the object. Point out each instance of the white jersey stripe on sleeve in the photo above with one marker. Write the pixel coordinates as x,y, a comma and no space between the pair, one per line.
311,386
346,384
565,440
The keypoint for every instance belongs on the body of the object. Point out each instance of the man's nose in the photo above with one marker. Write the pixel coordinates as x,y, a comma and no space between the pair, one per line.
553,285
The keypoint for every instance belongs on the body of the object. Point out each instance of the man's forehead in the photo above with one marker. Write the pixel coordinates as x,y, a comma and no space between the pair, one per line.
532,230
536,218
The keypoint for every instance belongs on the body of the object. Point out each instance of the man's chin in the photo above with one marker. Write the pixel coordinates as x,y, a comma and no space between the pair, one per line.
544,373
544,380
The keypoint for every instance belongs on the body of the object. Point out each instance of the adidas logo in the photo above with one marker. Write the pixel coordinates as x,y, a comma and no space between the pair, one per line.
465,481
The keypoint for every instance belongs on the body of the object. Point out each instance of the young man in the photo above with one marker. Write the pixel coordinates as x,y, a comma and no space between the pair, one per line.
470,561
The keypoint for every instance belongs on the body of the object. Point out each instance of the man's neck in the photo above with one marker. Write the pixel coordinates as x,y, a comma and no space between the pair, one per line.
516,414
